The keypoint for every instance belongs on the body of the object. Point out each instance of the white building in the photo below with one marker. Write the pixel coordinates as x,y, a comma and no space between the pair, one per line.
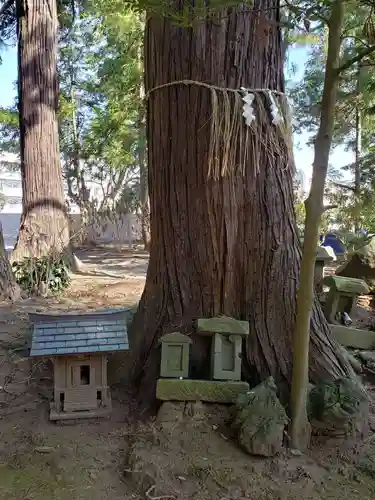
124,230
11,189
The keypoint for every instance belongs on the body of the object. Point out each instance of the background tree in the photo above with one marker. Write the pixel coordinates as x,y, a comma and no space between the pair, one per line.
44,223
101,119
353,124
100,109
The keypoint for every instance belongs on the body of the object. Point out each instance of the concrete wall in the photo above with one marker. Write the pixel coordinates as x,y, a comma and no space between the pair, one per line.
11,224
118,229
121,229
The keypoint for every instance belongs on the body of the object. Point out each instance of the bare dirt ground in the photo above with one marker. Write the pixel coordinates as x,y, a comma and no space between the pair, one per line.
115,459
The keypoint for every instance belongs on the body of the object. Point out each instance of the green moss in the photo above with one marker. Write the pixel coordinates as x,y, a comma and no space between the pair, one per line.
200,390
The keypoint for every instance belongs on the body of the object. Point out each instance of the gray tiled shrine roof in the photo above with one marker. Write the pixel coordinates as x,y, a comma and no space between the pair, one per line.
79,333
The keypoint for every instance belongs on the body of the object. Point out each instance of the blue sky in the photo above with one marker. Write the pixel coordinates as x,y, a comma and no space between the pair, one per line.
8,75
298,56
304,155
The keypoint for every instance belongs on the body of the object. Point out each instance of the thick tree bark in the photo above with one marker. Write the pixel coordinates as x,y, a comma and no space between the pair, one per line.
44,224
228,245
9,288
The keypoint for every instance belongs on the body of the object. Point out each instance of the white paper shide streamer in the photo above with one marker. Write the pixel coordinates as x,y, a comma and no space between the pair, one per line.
247,108
248,111
277,117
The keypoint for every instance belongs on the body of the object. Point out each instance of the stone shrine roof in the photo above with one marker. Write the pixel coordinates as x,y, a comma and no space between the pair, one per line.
79,333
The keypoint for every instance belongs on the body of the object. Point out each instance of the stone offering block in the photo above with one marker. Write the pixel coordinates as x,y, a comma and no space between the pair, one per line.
208,391
175,348
350,286
226,345
222,324
342,295
353,337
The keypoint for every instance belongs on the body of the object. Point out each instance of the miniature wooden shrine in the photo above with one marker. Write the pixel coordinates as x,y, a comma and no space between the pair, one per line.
78,345
342,295
226,347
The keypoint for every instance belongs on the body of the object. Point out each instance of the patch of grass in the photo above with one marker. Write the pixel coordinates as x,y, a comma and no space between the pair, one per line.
29,483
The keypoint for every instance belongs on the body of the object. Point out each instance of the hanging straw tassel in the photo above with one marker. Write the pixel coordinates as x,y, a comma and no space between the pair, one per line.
233,137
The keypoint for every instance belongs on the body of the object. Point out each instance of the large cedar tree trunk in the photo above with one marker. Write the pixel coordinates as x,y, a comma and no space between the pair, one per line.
226,246
44,224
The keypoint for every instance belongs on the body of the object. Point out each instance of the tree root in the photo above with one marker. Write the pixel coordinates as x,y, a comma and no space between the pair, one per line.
165,497
78,267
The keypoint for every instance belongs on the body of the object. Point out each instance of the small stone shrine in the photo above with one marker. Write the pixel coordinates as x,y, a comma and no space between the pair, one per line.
342,296
78,345
226,347
175,355
322,257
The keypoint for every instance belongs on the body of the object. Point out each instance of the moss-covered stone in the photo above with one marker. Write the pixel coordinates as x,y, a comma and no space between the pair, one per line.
339,407
261,420
200,390
342,295
224,325
353,337
349,286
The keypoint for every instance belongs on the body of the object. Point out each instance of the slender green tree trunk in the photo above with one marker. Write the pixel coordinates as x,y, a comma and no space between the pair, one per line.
358,150
143,171
300,431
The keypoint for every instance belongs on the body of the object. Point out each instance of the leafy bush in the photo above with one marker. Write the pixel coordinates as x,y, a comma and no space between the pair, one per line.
45,274
353,242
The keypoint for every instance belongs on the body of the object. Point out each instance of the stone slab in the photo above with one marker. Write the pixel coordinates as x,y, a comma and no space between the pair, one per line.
200,390
79,415
222,324
353,337
175,338
348,286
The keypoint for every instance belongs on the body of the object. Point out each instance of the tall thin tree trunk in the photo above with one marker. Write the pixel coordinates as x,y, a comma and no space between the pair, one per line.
143,187
358,150
44,223
314,210
143,171
226,245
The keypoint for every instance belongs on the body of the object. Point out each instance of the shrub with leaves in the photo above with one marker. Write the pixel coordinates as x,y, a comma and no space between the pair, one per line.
42,275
